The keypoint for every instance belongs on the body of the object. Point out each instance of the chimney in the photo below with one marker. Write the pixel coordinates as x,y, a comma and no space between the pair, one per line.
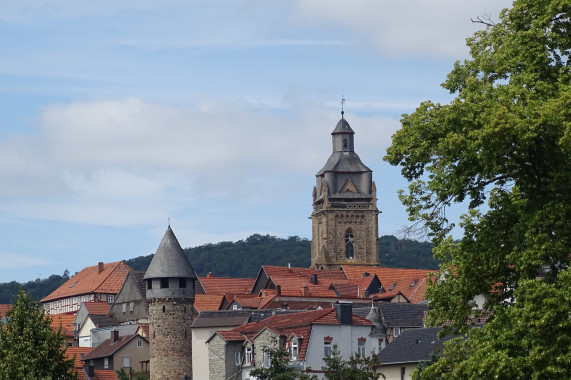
313,278
209,275
114,336
366,274
279,290
101,266
305,291
344,311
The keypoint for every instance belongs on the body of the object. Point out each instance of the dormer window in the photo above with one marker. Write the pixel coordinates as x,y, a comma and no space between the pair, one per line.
164,283
182,283
294,349
349,248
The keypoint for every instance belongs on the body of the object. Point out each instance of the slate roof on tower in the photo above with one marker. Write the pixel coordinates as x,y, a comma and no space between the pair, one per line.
170,260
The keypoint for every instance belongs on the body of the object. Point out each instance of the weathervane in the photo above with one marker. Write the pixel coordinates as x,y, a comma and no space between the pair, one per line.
342,104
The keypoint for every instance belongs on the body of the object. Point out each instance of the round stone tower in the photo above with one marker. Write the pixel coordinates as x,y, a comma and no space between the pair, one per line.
170,294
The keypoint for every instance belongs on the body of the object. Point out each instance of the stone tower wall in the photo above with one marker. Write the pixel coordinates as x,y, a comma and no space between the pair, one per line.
170,338
329,228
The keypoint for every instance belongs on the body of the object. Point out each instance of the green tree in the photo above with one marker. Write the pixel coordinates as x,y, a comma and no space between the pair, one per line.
356,368
504,139
29,348
279,368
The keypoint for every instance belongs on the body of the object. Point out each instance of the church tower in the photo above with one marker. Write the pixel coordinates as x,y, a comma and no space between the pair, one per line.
345,226
170,293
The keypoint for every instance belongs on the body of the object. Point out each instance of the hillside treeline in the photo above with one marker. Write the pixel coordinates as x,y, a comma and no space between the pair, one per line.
244,258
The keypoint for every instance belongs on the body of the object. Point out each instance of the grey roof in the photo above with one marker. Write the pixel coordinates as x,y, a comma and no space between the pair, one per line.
221,318
103,320
412,346
342,127
396,314
403,314
346,162
169,260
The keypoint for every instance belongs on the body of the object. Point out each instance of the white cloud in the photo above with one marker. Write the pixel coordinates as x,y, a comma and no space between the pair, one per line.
404,28
121,162
11,261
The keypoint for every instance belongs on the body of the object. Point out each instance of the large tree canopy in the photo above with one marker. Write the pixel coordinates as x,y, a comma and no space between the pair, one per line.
502,148
29,348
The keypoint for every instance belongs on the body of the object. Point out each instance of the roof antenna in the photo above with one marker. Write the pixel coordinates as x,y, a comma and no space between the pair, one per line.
342,104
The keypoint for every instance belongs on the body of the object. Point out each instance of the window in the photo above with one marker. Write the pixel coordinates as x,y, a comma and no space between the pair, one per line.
402,373
139,343
327,348
126,362
361,347
381,340
396,331
182,283
234,307
237,358
266,358
349,248
124,307
131,305
149,284
164,283
106,362
110,298
248,355
294,349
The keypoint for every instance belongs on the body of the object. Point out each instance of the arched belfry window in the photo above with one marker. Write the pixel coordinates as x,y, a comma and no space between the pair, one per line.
349,248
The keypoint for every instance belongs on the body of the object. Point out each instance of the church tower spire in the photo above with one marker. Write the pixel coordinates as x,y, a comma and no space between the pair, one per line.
345,215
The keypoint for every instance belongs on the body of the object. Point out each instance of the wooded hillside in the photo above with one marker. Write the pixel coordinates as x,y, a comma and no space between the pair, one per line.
245,257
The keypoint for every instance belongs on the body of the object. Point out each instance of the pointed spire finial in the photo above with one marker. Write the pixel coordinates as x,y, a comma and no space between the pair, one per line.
169,221
342,104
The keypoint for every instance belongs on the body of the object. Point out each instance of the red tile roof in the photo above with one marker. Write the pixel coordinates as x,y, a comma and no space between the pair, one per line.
298,324
4,308
101,374
207,302
223,285
66,323
91,280
410,282
97,307
75,353
297,281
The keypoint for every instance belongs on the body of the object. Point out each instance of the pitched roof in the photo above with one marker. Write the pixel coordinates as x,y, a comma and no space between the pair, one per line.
207,302
169,260
99,308
108,348
101,278
395,314
4,308
221,318
292,281
410,282
412,346
75,353
298,324
223,285
65,321
103,320
104,374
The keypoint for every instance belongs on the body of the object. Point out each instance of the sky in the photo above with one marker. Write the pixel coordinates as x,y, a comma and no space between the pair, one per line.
120,117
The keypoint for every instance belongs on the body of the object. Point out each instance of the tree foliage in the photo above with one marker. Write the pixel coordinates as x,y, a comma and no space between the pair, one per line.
29,348
503,148
279,368
356,368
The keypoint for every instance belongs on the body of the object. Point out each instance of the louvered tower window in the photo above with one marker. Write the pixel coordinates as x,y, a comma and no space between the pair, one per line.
349,249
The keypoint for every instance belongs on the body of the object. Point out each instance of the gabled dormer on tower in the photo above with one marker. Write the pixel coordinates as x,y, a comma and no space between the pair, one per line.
345,214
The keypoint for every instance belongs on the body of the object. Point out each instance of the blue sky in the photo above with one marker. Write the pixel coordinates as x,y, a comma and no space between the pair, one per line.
116,116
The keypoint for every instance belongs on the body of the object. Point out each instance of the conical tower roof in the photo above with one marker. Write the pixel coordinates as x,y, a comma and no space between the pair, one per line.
169,260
